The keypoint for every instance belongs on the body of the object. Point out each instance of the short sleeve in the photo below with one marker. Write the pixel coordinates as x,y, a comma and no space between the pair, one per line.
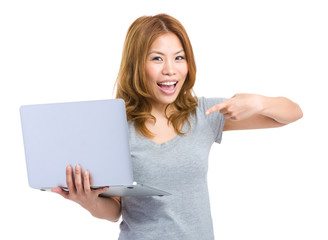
215,120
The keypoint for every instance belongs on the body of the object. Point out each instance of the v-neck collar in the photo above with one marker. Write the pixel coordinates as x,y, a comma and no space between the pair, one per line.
151,143
160,145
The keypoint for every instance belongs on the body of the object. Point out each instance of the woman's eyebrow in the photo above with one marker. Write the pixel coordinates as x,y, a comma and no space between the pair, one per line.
157,52
160,53
182,50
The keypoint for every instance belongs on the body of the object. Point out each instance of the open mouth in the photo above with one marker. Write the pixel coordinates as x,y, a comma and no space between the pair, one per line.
168,87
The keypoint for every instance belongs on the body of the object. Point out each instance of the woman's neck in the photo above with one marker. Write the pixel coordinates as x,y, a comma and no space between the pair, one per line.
158,111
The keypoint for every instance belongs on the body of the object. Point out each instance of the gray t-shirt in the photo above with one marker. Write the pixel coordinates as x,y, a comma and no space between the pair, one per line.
180,168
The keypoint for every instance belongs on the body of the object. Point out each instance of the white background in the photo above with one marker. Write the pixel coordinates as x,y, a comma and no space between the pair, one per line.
264,184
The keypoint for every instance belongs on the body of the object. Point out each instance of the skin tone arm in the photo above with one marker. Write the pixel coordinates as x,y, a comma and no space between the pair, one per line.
252,111
80,192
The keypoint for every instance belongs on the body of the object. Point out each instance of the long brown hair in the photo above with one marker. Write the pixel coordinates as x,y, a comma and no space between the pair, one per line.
131,80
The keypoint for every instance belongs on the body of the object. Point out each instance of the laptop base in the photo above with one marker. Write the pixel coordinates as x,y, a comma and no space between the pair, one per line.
135,190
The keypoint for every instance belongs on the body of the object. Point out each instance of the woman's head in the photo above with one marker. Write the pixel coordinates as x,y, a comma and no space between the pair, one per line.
166,69
132,82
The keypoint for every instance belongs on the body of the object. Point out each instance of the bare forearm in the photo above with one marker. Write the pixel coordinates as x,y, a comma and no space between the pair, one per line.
106,208
281,109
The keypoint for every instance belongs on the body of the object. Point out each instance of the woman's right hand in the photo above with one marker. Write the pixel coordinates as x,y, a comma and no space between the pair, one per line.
79,189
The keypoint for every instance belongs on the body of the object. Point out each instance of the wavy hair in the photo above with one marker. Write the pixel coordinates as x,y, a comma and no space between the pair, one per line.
131,83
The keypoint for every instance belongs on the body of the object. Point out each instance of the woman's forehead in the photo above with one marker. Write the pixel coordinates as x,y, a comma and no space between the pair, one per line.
168,42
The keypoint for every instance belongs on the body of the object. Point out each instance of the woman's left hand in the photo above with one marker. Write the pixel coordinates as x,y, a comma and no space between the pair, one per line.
239,107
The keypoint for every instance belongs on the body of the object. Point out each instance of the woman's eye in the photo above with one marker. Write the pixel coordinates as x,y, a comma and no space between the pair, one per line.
179,58
157,58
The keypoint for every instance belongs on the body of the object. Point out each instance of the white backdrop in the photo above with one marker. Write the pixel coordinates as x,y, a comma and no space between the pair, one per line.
264,184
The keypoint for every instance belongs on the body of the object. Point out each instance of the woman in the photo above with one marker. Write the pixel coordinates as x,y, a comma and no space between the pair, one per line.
171,133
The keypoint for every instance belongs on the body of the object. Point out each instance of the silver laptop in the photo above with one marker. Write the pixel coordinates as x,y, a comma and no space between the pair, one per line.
93,134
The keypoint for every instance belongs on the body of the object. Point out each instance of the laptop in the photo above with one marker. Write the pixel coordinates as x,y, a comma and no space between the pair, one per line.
93,134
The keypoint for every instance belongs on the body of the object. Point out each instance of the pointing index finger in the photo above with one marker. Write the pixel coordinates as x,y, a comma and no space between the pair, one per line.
216,108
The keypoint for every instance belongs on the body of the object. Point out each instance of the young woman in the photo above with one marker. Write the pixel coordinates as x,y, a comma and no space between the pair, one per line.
171,133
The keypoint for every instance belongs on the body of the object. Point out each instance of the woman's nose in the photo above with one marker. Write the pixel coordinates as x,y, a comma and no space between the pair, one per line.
168,68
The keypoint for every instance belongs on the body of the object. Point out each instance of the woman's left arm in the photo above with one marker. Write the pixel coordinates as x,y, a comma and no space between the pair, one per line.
253,111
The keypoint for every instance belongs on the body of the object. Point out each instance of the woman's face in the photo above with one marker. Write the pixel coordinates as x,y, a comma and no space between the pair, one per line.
166,69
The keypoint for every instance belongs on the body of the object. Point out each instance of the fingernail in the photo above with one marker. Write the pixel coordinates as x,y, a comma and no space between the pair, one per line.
86,173
207,112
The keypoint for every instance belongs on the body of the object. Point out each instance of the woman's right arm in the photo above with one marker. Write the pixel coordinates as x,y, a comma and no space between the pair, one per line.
80,192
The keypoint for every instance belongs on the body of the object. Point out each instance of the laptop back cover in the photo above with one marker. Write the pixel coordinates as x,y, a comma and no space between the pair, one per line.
93,134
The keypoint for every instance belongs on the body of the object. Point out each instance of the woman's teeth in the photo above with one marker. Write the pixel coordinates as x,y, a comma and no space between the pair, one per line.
167,83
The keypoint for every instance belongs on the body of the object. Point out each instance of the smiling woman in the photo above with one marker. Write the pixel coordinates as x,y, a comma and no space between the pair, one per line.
156,78
157,52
